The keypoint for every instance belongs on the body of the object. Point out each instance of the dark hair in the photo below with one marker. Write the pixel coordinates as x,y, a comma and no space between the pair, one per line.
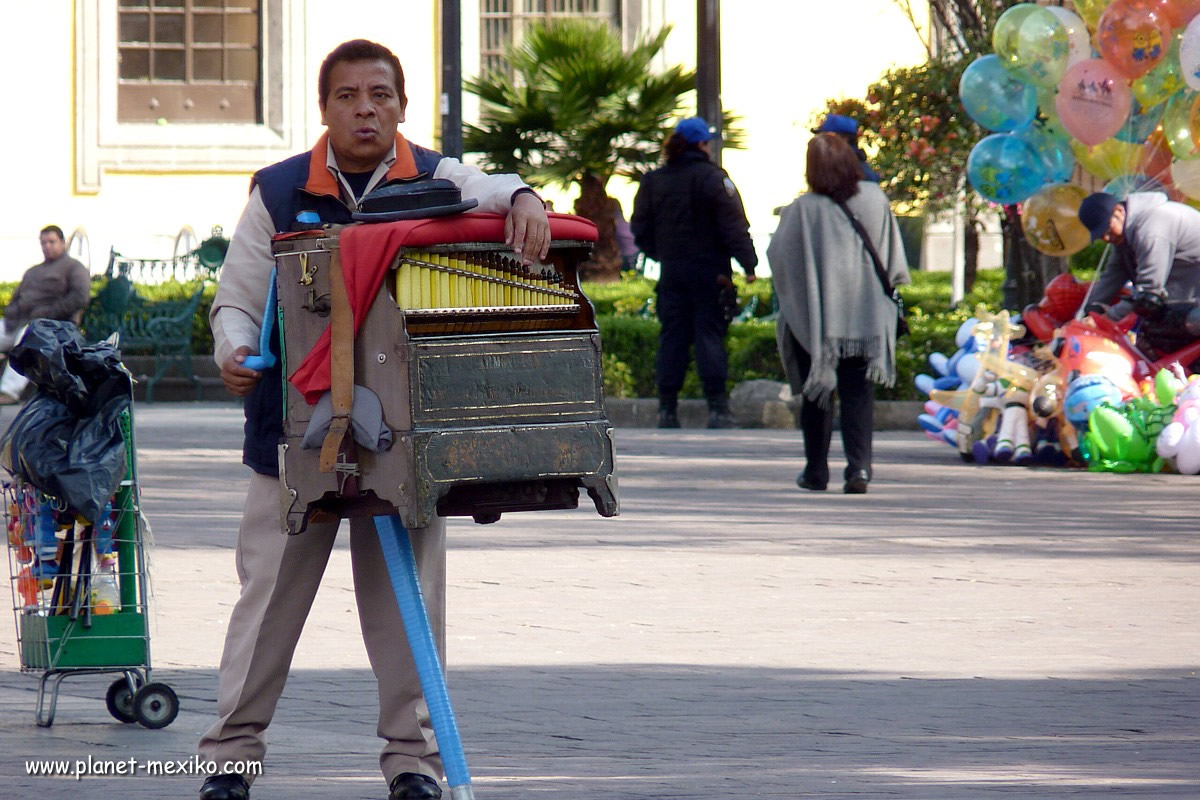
832,168
676,146
52,229
358,50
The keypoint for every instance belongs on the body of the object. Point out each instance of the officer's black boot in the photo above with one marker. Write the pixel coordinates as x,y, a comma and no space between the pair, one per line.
719,415
668,414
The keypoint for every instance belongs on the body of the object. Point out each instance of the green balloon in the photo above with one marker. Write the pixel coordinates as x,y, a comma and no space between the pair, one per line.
1006,39
1179,124
1043,47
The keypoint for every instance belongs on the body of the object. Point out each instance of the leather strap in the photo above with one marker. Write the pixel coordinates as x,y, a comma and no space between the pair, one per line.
341,363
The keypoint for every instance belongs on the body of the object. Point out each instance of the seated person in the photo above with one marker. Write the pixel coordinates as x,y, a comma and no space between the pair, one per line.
58,288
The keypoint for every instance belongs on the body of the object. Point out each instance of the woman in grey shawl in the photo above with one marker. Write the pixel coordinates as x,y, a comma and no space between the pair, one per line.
837,328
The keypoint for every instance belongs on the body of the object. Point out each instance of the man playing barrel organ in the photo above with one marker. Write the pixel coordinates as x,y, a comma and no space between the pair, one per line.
362,101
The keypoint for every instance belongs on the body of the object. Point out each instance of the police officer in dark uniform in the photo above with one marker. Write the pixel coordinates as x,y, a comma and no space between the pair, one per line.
688,216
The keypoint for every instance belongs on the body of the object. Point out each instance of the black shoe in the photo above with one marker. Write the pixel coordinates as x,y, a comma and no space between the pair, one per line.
229,786
812,486
856,482
721,419
668,419
413,786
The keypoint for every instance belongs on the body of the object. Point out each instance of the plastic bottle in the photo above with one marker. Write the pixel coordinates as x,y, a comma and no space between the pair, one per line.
105,596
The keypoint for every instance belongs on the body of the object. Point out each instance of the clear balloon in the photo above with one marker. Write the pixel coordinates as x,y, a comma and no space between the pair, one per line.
1058,162
1189,54
1133,36
1006,42
1181,124
1140,124
1079,41
1090,10
1093,101
994,98
1126,185
1185,174
1004,169
1155,160
1108,159
1164,80
1050,219
1043,48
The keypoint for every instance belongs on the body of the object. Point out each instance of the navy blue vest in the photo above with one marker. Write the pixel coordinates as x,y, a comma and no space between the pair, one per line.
283,194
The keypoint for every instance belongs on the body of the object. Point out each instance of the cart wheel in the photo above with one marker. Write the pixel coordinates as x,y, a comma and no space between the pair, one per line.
156,705
120,700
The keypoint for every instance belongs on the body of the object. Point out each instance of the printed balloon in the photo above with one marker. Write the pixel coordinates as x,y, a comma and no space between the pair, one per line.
1050,219
1004,169
1140,124
1043,48
1163,81
1189,54
1093,101
1058,162
1079,41
1005,39
1133,36
994,98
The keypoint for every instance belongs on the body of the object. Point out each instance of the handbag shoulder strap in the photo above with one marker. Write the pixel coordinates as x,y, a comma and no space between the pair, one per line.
888,289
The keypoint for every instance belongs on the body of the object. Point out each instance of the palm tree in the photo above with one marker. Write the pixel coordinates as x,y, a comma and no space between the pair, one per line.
578,110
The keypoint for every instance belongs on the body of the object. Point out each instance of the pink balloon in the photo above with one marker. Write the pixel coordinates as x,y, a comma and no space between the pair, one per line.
1093,101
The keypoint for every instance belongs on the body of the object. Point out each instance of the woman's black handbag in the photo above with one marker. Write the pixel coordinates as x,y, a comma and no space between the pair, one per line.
888,289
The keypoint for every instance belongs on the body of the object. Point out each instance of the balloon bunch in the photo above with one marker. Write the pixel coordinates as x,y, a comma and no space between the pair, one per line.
1114,88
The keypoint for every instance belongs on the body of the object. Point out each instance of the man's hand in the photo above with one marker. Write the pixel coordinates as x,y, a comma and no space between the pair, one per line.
751,277
527,229
239,380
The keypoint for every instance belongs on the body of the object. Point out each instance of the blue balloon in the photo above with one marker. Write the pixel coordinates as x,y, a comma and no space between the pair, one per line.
994,98
1055,151
1005,169
1140,123
1124,185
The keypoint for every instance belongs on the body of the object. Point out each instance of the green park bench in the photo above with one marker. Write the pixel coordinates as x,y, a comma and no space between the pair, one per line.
159,328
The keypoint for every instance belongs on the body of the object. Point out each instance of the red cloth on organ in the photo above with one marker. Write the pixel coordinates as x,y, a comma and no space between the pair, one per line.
369,249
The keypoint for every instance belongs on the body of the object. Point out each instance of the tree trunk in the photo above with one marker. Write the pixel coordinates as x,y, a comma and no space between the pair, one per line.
595,204
970,253
1027,270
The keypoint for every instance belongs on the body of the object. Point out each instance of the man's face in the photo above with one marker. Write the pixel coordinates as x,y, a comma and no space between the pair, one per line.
1116,227
362,111
53,246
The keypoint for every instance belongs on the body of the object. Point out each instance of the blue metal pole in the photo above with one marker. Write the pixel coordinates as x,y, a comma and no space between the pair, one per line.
406,583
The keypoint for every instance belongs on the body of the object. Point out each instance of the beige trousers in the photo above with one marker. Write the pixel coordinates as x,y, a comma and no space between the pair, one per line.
279,576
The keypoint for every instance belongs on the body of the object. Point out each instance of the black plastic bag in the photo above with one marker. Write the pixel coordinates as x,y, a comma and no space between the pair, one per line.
67,440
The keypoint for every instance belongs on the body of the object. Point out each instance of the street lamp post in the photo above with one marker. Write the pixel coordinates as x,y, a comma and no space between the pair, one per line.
708,67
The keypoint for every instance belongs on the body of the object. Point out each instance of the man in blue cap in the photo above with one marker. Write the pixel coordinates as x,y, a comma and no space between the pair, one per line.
847,128
1157,248
688,216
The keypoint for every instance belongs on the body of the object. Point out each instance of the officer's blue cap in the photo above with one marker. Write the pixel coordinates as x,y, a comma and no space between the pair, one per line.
1095,212
836,123
694,130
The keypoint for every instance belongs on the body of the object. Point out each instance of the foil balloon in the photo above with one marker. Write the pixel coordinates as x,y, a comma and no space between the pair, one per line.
1181,124
1050,220
1043,47
1004,169
994,98
1093,101
1133,36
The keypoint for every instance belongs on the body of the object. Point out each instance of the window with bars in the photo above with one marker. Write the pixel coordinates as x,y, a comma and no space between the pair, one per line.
503,22
189,61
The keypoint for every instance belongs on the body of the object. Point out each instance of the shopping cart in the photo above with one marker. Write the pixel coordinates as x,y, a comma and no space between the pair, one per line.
80,596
